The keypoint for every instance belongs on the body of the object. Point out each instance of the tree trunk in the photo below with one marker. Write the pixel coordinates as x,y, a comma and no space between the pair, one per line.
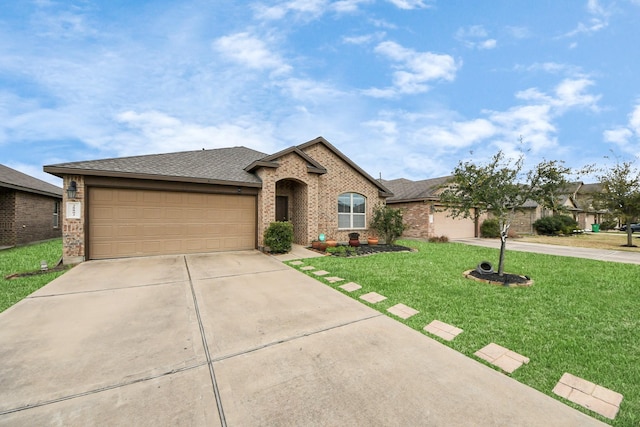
629,235
503,245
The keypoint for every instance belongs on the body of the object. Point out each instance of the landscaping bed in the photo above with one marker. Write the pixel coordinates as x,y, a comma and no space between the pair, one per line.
354,251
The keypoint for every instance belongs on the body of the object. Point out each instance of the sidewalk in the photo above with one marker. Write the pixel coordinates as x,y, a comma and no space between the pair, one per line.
570,251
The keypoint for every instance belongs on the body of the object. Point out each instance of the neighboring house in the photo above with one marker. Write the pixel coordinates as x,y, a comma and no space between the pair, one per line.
423,213
576,200
212,200
29,208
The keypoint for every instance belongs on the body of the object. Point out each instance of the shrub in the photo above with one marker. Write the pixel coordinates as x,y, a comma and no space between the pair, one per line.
388,223
438,239
279,236
555,225
490,228
341,250
608,224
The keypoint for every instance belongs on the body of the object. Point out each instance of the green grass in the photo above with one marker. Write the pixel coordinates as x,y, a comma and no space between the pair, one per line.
580,316
25,259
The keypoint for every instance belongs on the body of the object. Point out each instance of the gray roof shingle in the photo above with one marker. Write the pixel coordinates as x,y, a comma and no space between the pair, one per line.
11,178
224,165
405,190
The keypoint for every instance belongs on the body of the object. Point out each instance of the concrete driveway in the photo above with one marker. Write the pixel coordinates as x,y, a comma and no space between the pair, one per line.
237,339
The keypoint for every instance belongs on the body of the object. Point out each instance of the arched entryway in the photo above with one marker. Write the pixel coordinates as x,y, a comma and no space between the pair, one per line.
292,205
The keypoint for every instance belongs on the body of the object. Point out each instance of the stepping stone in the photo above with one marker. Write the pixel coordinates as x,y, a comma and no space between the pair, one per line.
443,330
589,395
501,357
320,273
334,279
307,268
373,297
296,263
350,287
402,311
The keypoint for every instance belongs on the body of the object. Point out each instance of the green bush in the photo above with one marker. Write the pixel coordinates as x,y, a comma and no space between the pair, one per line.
608,224
438,239
341,250
279,236
388,223
555,225
490,228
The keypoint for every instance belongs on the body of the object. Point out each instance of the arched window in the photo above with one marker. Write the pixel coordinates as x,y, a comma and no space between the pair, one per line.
352,208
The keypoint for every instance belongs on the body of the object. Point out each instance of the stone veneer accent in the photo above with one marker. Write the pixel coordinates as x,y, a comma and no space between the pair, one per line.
73,230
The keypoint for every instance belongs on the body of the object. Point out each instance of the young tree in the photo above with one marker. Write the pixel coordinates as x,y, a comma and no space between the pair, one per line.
502,188
620,193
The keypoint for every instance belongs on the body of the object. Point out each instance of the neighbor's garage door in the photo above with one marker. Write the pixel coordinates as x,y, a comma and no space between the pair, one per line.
124,223
457,228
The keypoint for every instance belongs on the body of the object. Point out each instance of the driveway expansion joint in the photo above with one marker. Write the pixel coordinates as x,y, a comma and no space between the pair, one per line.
293,338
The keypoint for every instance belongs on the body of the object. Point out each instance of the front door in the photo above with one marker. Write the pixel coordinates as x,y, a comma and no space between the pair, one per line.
282,208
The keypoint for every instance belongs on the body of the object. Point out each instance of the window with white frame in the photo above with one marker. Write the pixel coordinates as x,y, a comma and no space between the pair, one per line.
56,214
352,208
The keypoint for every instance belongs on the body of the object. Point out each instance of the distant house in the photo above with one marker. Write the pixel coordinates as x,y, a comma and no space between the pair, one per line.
576,201
426,217
29,208
423,213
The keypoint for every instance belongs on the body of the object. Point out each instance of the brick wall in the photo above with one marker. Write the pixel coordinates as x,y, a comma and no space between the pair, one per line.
73,230
26,217
7,217
416,218
340,178
34,218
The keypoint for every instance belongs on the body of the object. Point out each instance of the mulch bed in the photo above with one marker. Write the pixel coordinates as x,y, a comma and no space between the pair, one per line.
363,250
507,279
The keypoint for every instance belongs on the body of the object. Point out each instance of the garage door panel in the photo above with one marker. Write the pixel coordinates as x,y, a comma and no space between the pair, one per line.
124,223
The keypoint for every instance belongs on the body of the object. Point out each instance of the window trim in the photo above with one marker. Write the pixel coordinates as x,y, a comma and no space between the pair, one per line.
56,214
352,214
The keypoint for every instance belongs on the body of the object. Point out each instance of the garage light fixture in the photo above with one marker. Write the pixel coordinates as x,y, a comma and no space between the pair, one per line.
72,190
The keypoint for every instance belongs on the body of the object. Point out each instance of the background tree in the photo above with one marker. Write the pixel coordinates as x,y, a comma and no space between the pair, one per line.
620,193
502,188
388,223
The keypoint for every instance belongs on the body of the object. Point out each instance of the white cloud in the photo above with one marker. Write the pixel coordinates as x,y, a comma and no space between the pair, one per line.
250,51
156,132
618,136
599,20
519,32
363,39
410,4
475,36
413,69
305,10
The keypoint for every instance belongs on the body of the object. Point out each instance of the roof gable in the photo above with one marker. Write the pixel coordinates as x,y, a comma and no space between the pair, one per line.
382,189
11,178
271,161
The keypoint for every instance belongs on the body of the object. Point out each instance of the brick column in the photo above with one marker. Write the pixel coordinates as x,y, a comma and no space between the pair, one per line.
73,230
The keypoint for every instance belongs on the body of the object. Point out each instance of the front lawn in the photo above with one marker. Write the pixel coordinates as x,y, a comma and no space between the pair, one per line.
26,259
580,316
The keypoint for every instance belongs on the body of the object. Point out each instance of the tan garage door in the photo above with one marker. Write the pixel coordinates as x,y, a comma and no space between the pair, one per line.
125,223
458,228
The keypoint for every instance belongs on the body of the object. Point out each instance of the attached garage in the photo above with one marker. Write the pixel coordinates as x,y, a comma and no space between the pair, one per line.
453,228
139,222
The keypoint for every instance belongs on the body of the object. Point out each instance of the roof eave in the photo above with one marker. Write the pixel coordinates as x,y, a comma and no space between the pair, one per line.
30,190
60,172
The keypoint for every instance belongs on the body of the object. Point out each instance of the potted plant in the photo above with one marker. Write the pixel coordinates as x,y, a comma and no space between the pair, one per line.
372,240
331,242
354,239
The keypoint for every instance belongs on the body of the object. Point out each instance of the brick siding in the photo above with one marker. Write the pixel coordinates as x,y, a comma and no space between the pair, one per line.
26,217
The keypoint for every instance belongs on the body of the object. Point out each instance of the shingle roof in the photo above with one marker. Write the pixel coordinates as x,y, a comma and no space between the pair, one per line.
11,178
406,190
222,165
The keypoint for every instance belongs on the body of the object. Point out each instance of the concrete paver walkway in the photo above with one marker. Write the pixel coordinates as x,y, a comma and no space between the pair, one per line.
237,339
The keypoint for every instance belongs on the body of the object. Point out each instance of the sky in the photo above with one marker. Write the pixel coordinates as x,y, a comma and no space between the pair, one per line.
404,88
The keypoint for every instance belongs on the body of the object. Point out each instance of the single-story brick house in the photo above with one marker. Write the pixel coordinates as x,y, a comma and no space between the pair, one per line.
29,208
211,200
423,213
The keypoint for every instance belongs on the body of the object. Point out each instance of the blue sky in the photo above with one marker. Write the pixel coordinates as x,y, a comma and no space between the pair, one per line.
405,88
